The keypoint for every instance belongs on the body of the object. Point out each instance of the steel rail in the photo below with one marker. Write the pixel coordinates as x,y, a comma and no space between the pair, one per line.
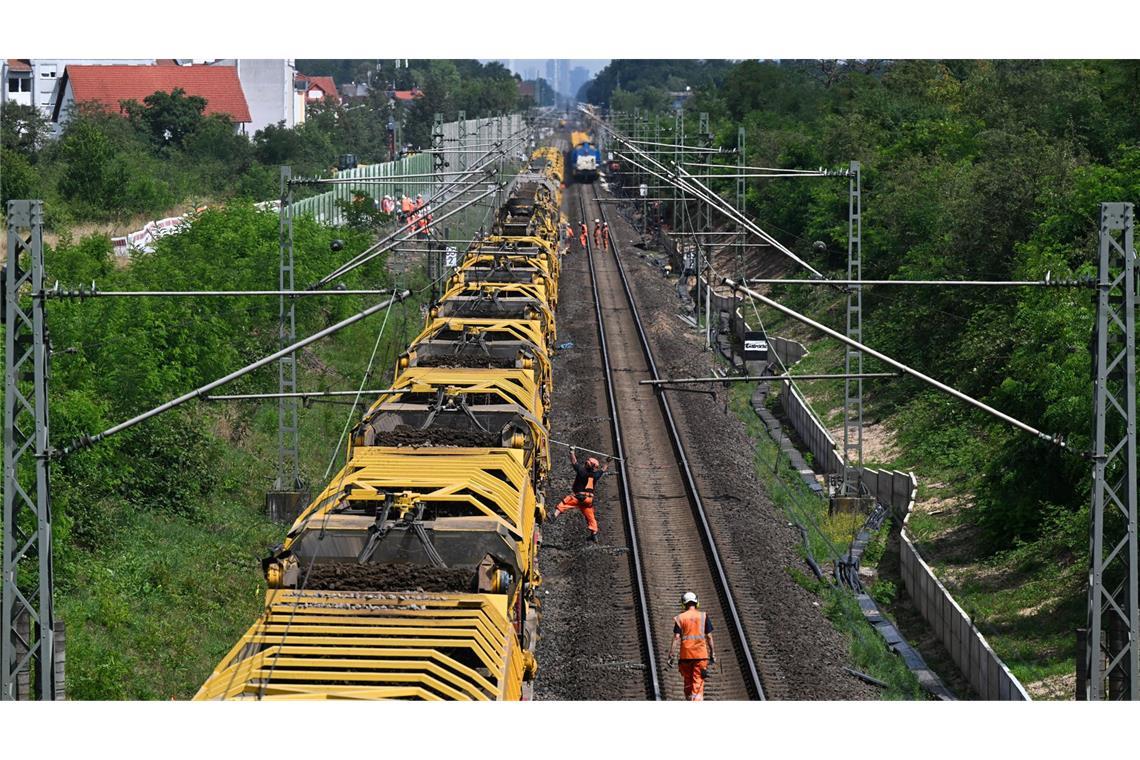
626,495
737,625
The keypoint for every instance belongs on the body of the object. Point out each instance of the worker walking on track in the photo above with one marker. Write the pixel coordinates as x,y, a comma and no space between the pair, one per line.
692,631
597,233
584,236
582,492
606,236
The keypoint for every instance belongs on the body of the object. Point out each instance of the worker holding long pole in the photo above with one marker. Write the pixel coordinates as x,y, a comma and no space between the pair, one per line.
581,494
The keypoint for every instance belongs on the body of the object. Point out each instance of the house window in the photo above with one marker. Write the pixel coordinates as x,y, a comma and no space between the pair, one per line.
26,84
13,84
47,72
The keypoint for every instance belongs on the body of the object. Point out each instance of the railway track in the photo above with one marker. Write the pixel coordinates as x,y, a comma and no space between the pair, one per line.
672,547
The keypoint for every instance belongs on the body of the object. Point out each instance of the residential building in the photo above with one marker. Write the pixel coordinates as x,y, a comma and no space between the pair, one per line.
36,81
271,90
108,86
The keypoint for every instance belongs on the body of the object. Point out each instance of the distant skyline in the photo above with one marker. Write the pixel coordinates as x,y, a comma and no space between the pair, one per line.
528,68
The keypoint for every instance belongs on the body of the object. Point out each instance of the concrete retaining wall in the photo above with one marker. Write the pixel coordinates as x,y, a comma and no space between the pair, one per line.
987,674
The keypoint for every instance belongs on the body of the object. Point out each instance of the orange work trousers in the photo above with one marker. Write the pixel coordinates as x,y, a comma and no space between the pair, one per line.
582,242
691,671
585,504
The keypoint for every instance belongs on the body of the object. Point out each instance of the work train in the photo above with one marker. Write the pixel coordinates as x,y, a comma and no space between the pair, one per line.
584,158
413,574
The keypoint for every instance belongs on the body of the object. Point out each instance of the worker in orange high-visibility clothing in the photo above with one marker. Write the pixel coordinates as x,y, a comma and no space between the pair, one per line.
597,233
584,235
582,491
692,632
606,235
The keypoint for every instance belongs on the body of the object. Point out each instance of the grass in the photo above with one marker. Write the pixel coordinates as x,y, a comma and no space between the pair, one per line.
1026,601
828,537
152,611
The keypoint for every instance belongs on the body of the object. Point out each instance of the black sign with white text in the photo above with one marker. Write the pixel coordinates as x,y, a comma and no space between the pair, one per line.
755,347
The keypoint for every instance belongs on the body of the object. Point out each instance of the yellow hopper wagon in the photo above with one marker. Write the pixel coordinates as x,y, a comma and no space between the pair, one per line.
413,574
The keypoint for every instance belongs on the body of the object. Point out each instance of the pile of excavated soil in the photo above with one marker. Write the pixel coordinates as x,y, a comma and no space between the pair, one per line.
406,435
469,361
349,576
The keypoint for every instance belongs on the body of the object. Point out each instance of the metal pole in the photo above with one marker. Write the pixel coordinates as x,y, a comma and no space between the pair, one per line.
27,644
1046,283
677,160
853,363
439,163
86,441
288,442
299,394
751,378
741,191
81,293
390,242
462,157
1056,440
1113,653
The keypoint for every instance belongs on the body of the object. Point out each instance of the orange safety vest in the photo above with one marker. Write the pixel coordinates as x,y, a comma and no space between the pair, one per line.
692,623
406,204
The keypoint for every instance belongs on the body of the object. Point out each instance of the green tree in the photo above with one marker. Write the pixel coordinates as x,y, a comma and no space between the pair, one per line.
168,117
23,129
92,176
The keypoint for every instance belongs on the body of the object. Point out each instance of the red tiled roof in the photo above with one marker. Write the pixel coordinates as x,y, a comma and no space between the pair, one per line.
19,64
409,94
325,84
107,85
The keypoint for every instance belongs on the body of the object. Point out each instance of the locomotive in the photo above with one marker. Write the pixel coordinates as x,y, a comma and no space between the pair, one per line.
413,574
584,157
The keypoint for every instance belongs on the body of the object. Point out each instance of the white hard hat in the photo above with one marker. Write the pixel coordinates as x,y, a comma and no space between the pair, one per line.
689,598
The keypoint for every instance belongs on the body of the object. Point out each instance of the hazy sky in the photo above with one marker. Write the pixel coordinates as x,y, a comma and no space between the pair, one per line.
522,65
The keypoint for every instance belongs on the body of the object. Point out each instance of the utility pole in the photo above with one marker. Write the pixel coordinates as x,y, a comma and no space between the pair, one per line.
853,389
705,221
29,626
1111,654
741,189
284,501
463,154
439,165
677,121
